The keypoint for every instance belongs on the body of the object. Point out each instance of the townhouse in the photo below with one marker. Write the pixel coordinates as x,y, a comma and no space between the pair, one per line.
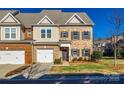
27,38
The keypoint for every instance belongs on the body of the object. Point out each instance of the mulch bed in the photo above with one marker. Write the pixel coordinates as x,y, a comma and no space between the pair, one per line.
17,71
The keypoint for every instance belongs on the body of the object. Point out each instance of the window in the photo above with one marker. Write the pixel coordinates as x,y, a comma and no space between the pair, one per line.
48,33
13,32
64,34
86,52
75,35
45,33
86,35
29,33
42,33
75,52
7,33
10,33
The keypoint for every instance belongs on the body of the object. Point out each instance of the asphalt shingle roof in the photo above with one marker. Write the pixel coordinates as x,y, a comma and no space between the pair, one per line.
57,17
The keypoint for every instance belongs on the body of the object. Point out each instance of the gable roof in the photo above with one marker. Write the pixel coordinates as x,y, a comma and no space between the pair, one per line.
9,15
47,18
56,16
78,18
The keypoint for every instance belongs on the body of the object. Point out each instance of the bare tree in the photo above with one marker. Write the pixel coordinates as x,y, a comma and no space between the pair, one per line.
117,21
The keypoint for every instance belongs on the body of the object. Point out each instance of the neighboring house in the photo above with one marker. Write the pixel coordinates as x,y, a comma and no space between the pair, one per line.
120,41
104,45
45,36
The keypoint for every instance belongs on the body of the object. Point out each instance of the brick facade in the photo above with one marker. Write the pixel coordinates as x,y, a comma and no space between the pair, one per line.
26,47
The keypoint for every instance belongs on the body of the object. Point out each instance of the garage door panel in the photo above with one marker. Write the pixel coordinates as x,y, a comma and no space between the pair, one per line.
44,55
12,57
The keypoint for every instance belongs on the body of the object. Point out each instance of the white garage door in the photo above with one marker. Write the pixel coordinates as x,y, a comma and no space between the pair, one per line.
45,55
12,57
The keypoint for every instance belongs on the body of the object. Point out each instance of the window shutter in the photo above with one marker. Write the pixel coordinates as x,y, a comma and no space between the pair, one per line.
82,35
61,34
78,35
78,52
89,35
82,52
71,35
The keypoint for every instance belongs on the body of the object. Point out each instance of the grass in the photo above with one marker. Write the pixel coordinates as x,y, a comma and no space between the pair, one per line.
105,66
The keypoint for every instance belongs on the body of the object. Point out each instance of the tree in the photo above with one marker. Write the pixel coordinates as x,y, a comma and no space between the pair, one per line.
117,21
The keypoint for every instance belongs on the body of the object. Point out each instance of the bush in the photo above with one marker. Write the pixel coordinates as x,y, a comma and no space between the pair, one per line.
120,53
74,59
97,55
80,59
58,61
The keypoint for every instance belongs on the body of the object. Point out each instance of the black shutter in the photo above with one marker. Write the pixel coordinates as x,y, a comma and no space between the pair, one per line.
78,35
89,35
82,35
78,52
61,34
71,35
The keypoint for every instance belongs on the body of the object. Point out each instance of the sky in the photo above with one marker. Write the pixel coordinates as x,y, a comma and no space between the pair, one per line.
100,16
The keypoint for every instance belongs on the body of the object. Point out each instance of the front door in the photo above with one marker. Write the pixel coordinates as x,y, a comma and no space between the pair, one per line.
64,55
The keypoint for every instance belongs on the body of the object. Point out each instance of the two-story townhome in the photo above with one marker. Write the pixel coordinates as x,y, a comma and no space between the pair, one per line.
45,36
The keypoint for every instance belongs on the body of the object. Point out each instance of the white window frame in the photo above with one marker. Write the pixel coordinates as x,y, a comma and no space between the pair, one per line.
45,32
10,33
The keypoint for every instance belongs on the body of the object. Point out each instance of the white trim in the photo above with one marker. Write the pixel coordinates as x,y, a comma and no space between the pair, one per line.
75,14
9,14
65,45
10,33
45,32
44,18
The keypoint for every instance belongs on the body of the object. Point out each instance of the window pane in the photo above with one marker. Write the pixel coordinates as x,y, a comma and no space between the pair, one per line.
7,33
75,52
86,35
85,52
29,33
48,33
42,33
13,32
64,34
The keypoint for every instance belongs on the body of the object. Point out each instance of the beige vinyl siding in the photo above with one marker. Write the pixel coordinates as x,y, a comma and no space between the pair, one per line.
18,32
54,34
9,19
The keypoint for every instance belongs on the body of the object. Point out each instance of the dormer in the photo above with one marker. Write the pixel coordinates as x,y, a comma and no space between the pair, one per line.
9,18
45,20
75,19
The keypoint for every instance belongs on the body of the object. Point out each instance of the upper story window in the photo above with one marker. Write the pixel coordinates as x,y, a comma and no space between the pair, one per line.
64,34
86,35
48,33
10,33
75,35
45,33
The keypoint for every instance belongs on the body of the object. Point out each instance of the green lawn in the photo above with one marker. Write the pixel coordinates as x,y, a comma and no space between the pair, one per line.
105,66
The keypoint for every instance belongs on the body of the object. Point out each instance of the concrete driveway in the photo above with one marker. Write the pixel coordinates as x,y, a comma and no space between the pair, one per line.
5,68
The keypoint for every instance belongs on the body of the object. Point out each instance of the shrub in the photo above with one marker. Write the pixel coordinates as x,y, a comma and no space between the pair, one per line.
58,61
80,59
97,55
74,59
120,53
